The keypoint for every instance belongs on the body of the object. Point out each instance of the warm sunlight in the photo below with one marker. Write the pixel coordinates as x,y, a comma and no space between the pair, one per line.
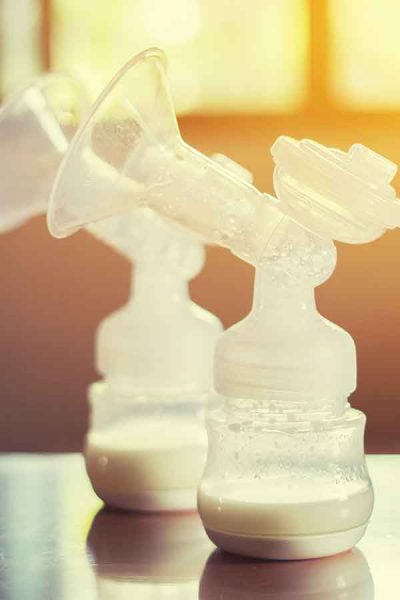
205,42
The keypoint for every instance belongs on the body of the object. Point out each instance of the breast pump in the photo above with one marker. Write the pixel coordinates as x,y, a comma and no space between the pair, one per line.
147,444
286,474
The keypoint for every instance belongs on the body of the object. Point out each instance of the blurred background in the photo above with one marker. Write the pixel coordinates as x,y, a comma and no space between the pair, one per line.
242,73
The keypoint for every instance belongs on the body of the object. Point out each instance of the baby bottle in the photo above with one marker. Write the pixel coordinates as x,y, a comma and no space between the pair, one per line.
147,443
286,476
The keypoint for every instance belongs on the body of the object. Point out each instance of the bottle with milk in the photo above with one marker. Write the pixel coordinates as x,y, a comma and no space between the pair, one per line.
286,476
147,443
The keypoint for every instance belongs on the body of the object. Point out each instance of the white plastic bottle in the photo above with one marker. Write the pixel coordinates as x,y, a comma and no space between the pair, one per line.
286,476
147,443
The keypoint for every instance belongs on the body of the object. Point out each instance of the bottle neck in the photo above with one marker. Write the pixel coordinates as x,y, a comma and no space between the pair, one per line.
151,285
285,408
293,299
284,358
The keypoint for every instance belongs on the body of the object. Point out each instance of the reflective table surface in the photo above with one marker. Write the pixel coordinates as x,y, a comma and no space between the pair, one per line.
57,542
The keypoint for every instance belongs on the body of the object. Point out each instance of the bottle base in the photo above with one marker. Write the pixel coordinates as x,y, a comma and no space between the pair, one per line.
150,464
287,547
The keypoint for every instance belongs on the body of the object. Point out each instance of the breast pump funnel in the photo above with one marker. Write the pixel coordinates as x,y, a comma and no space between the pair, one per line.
133,112
36,125
129,153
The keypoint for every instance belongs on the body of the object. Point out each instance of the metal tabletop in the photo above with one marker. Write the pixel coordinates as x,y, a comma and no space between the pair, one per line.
57,542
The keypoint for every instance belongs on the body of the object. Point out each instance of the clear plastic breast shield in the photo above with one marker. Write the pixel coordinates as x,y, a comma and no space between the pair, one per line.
130,153
36,125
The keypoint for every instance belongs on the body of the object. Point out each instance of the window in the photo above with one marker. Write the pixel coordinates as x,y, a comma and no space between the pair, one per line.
365,53
224,55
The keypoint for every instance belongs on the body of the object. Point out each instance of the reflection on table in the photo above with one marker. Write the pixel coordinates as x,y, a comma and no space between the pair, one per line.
148,555
342,577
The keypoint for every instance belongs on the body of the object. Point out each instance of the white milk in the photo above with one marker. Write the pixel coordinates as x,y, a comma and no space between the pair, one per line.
235,513
148,463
